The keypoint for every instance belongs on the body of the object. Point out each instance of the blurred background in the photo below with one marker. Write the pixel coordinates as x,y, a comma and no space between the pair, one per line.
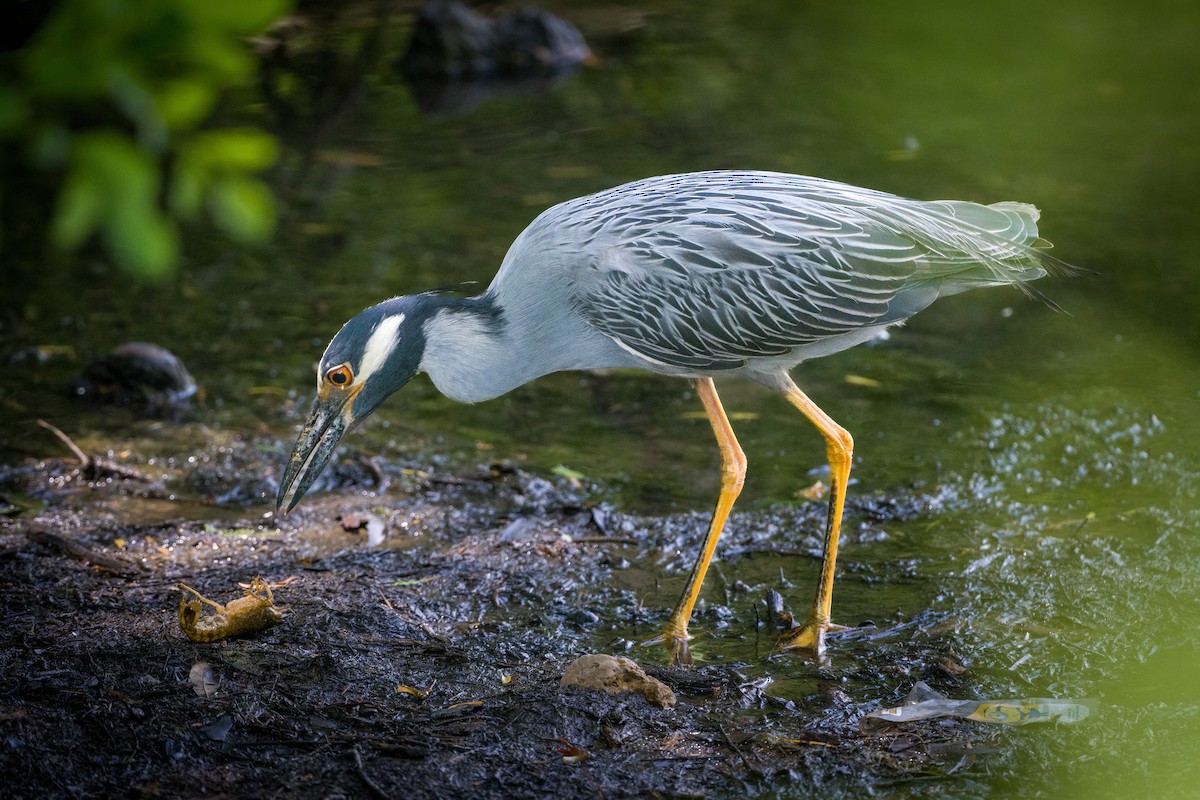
233,181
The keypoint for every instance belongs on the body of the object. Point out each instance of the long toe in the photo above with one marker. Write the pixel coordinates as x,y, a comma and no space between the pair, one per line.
809,637
676,642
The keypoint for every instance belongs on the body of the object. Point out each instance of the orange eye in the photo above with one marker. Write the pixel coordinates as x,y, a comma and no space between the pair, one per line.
340,376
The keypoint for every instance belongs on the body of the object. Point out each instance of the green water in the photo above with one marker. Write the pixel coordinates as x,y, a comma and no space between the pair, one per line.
1065,448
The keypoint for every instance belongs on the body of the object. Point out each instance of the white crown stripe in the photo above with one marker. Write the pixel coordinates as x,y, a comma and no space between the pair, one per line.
380,345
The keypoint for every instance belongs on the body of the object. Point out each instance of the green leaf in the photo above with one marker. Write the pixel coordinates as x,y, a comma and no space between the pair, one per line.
117,162
79,209
73,52
188,182
245,17
50,146
134,98
183,104
230,60
243,150
144,242
134,229
568,473
14,110
243,208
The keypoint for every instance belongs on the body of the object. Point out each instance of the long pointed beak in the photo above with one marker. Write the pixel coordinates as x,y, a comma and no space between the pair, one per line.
329,421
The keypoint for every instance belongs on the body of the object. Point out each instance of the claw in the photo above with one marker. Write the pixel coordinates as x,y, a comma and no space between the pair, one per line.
676,642
810,636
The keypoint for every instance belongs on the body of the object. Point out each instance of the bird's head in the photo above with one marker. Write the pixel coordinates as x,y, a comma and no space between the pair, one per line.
374,354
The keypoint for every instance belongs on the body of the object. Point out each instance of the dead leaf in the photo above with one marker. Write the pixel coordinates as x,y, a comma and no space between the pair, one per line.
814,492
202,680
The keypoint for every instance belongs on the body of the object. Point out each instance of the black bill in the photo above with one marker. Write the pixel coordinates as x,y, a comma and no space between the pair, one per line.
314,448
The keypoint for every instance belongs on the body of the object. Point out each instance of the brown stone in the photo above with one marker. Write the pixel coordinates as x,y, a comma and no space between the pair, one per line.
615,674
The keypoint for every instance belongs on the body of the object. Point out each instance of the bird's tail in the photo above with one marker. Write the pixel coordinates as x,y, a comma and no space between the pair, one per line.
992,245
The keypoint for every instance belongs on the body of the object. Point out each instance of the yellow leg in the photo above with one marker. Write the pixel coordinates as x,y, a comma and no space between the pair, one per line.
839,447
733,475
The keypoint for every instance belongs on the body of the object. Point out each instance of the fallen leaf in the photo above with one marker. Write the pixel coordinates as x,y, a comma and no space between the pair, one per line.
571,753
814,492
420,694
862,380
202,680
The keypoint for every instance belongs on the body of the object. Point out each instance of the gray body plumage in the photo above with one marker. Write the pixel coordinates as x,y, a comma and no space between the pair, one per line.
719,272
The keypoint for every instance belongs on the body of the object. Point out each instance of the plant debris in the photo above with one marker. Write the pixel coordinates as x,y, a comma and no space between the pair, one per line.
94,468
925,703
74,549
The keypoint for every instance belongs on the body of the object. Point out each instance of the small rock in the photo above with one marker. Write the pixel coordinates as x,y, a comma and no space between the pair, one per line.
452,40
218,730
520,529
139,375
582,618
615,674
353,522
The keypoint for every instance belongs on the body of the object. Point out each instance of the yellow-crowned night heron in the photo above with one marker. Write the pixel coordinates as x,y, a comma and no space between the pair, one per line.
697,275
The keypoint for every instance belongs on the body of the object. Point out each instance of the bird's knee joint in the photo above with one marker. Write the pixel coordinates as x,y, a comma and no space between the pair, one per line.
840,447
733,470
734,481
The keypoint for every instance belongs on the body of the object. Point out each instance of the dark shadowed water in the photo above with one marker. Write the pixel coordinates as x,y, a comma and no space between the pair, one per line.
1060,453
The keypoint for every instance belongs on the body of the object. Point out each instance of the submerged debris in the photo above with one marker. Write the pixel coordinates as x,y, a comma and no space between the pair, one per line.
143,376
356,522
451,39
94,468
924,703
252,613
615,674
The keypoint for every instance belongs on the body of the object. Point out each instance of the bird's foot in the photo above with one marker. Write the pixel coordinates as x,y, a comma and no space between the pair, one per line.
810,636
675,637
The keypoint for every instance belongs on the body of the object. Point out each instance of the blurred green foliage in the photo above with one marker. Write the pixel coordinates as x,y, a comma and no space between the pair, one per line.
107,97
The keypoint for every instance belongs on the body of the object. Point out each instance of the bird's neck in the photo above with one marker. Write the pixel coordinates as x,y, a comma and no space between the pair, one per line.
483,347
469,354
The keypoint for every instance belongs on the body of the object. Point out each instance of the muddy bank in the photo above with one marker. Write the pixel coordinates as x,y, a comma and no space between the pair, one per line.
425,629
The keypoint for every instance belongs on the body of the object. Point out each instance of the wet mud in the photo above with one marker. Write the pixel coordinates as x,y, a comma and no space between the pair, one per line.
427,619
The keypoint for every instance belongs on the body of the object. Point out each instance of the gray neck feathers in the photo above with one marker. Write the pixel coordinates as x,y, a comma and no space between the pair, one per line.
487,346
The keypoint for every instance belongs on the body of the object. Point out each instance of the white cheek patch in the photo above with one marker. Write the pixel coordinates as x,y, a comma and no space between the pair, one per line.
380,345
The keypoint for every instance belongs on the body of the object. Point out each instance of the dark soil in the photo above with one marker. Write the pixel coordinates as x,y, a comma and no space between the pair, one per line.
427,666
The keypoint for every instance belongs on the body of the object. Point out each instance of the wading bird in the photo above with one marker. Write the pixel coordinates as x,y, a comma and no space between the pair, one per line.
699,275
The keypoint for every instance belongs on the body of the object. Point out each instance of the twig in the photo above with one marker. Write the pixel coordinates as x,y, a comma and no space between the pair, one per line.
382,481
451,480
365,778
84,459
91,466
603,540
81,551
745,761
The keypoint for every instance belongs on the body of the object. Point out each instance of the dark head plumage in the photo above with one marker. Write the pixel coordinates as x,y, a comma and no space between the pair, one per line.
374,355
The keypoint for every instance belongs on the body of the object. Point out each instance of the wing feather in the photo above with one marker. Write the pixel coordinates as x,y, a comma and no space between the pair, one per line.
708,270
